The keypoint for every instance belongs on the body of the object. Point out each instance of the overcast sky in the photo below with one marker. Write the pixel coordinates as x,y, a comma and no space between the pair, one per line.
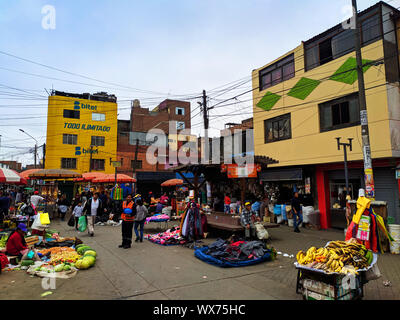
163,48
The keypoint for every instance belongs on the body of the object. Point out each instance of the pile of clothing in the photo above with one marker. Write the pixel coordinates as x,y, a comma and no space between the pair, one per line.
235,253
167,238
157,218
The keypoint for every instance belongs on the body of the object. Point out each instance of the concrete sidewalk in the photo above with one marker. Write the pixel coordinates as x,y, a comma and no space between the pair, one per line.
149,271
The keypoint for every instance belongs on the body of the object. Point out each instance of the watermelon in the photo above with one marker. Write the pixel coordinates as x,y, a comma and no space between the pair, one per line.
90,259
81,249
90,253
26,263
79,245
85,264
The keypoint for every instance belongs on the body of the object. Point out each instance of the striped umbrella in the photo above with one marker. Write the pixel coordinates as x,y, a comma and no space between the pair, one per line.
11,177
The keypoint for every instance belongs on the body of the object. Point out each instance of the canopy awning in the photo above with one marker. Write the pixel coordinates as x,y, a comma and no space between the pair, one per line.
90,176
25,174
54,174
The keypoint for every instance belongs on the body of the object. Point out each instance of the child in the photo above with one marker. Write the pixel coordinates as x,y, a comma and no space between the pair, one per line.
77,213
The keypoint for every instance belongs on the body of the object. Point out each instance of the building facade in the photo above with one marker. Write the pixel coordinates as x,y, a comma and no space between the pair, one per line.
307,98
172,117
81,132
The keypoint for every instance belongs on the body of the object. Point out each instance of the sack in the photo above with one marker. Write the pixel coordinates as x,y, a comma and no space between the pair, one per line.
262,233
82,223
44,218
373,274
71,221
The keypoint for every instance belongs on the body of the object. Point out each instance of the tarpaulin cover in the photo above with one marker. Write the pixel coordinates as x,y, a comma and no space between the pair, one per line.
200,253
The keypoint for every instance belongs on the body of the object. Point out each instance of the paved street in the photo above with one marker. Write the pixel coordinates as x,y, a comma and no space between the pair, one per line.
149,271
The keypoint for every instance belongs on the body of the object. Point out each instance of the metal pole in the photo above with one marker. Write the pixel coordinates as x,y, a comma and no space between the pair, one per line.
35,154
205,119
368,172
346,171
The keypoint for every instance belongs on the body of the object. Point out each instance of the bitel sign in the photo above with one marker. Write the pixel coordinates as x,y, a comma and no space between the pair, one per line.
79,151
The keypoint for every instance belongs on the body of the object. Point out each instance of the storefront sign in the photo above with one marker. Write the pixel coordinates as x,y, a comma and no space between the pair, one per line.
78,106
367,157
77,126
235,171
369,184
116,164
79,151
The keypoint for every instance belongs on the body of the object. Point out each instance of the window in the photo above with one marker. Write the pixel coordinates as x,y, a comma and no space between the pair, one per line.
98,116
70,139
98,164
280,71
180,125
339,113
278,128
338,42
180,111
72,114
136,164
97,141
68,163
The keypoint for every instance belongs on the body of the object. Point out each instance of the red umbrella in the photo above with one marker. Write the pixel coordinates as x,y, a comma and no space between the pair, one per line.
11,177
121,178
172,182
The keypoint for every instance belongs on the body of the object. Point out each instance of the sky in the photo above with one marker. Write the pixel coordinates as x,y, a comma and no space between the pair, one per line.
148,50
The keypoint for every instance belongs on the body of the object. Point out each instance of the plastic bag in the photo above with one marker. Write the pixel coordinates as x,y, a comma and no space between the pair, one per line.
44,218
37,224
71,221
82,223
262,233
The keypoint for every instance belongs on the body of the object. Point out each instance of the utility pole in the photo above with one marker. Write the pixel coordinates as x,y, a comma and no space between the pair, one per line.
35,154
346,171
368,172
205,119
44,155
90,161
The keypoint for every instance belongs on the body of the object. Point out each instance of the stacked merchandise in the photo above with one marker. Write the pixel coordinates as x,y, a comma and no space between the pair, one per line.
367,227
157,218
62,262
235,253
168,238
337,257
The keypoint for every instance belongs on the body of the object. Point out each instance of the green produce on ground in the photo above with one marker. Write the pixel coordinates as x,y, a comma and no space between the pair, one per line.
59,267
26,263
90,253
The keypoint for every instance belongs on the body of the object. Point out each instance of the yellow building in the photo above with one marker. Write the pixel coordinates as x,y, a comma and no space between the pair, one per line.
81,132
305,99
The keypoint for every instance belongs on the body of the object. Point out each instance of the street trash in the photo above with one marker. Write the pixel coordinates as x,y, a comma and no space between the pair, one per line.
44,294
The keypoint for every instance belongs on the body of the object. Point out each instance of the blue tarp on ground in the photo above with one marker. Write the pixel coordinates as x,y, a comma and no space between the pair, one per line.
200,253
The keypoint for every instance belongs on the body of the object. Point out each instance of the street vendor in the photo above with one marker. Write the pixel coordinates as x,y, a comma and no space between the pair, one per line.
128,218
16,244
246,220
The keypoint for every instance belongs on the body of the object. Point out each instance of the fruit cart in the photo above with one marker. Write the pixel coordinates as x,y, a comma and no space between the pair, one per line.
342,282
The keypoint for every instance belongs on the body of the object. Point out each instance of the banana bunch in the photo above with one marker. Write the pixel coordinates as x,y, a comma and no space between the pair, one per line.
336,257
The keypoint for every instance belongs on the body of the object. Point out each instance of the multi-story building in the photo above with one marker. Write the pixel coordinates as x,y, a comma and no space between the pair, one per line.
81,132
170,116
308,97
11,164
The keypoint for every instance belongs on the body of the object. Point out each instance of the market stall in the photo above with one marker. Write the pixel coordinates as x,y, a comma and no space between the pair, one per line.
170,237
54,256
337,271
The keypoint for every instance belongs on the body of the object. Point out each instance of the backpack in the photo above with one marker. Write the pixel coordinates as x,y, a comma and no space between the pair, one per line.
29,210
